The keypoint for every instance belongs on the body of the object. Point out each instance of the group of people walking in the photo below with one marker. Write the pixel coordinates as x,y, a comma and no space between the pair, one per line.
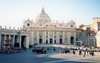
64,51
81,52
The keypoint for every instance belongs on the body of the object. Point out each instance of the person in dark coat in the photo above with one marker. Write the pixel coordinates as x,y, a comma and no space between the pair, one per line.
65,51
54,49
92,53
73,51
80,52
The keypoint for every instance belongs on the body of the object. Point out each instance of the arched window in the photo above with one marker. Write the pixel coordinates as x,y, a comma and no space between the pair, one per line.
71,25
28,24
72,40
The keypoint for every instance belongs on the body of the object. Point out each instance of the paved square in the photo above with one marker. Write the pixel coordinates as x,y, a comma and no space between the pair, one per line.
51,57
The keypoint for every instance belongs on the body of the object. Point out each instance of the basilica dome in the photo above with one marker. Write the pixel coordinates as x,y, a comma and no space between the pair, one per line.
42,17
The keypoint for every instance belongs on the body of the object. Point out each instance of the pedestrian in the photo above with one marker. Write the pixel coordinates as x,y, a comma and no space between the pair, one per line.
63,51
84,53
87,52
60,51
92,53
54,49
80,52
73,51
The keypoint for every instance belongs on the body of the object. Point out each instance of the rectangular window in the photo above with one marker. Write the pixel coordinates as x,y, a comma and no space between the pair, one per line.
40,33
51,33
46,33
54,33
60,33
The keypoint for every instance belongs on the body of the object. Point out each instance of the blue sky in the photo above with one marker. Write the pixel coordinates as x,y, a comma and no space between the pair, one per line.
13,12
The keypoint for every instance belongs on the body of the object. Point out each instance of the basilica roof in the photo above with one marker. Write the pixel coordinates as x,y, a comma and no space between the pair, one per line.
42,17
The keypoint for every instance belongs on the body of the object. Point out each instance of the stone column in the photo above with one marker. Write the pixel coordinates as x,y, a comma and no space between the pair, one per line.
95,42
0,40
68,37
9,37
31,41
88,42
20,42
27,41
4,40
48,37
74,38
63,37
13,40
53,37
38,37
43,37
57,37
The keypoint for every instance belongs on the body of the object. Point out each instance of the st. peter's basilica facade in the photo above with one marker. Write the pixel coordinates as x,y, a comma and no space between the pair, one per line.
45,31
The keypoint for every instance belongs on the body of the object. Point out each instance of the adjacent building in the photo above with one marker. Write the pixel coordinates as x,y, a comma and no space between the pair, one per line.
89,35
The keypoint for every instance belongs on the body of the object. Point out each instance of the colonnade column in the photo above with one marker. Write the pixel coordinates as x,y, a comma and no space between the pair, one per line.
68,37
20,42
13,40
38,37
27,41
74,38
53,37
63,37
0,40
9,36
48,37
4,40
31,41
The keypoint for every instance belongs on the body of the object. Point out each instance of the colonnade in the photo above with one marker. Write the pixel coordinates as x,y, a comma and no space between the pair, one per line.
14,40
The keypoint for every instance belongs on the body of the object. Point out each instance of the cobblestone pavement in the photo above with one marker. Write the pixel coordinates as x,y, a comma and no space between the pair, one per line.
51,57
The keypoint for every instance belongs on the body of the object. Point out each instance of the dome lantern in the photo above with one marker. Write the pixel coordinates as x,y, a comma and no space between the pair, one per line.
42,9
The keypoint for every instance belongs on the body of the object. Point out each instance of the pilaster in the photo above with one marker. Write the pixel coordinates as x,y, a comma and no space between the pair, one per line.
53,37
20,42
48,37
74,38
38,37
0,40
63,37
68,37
